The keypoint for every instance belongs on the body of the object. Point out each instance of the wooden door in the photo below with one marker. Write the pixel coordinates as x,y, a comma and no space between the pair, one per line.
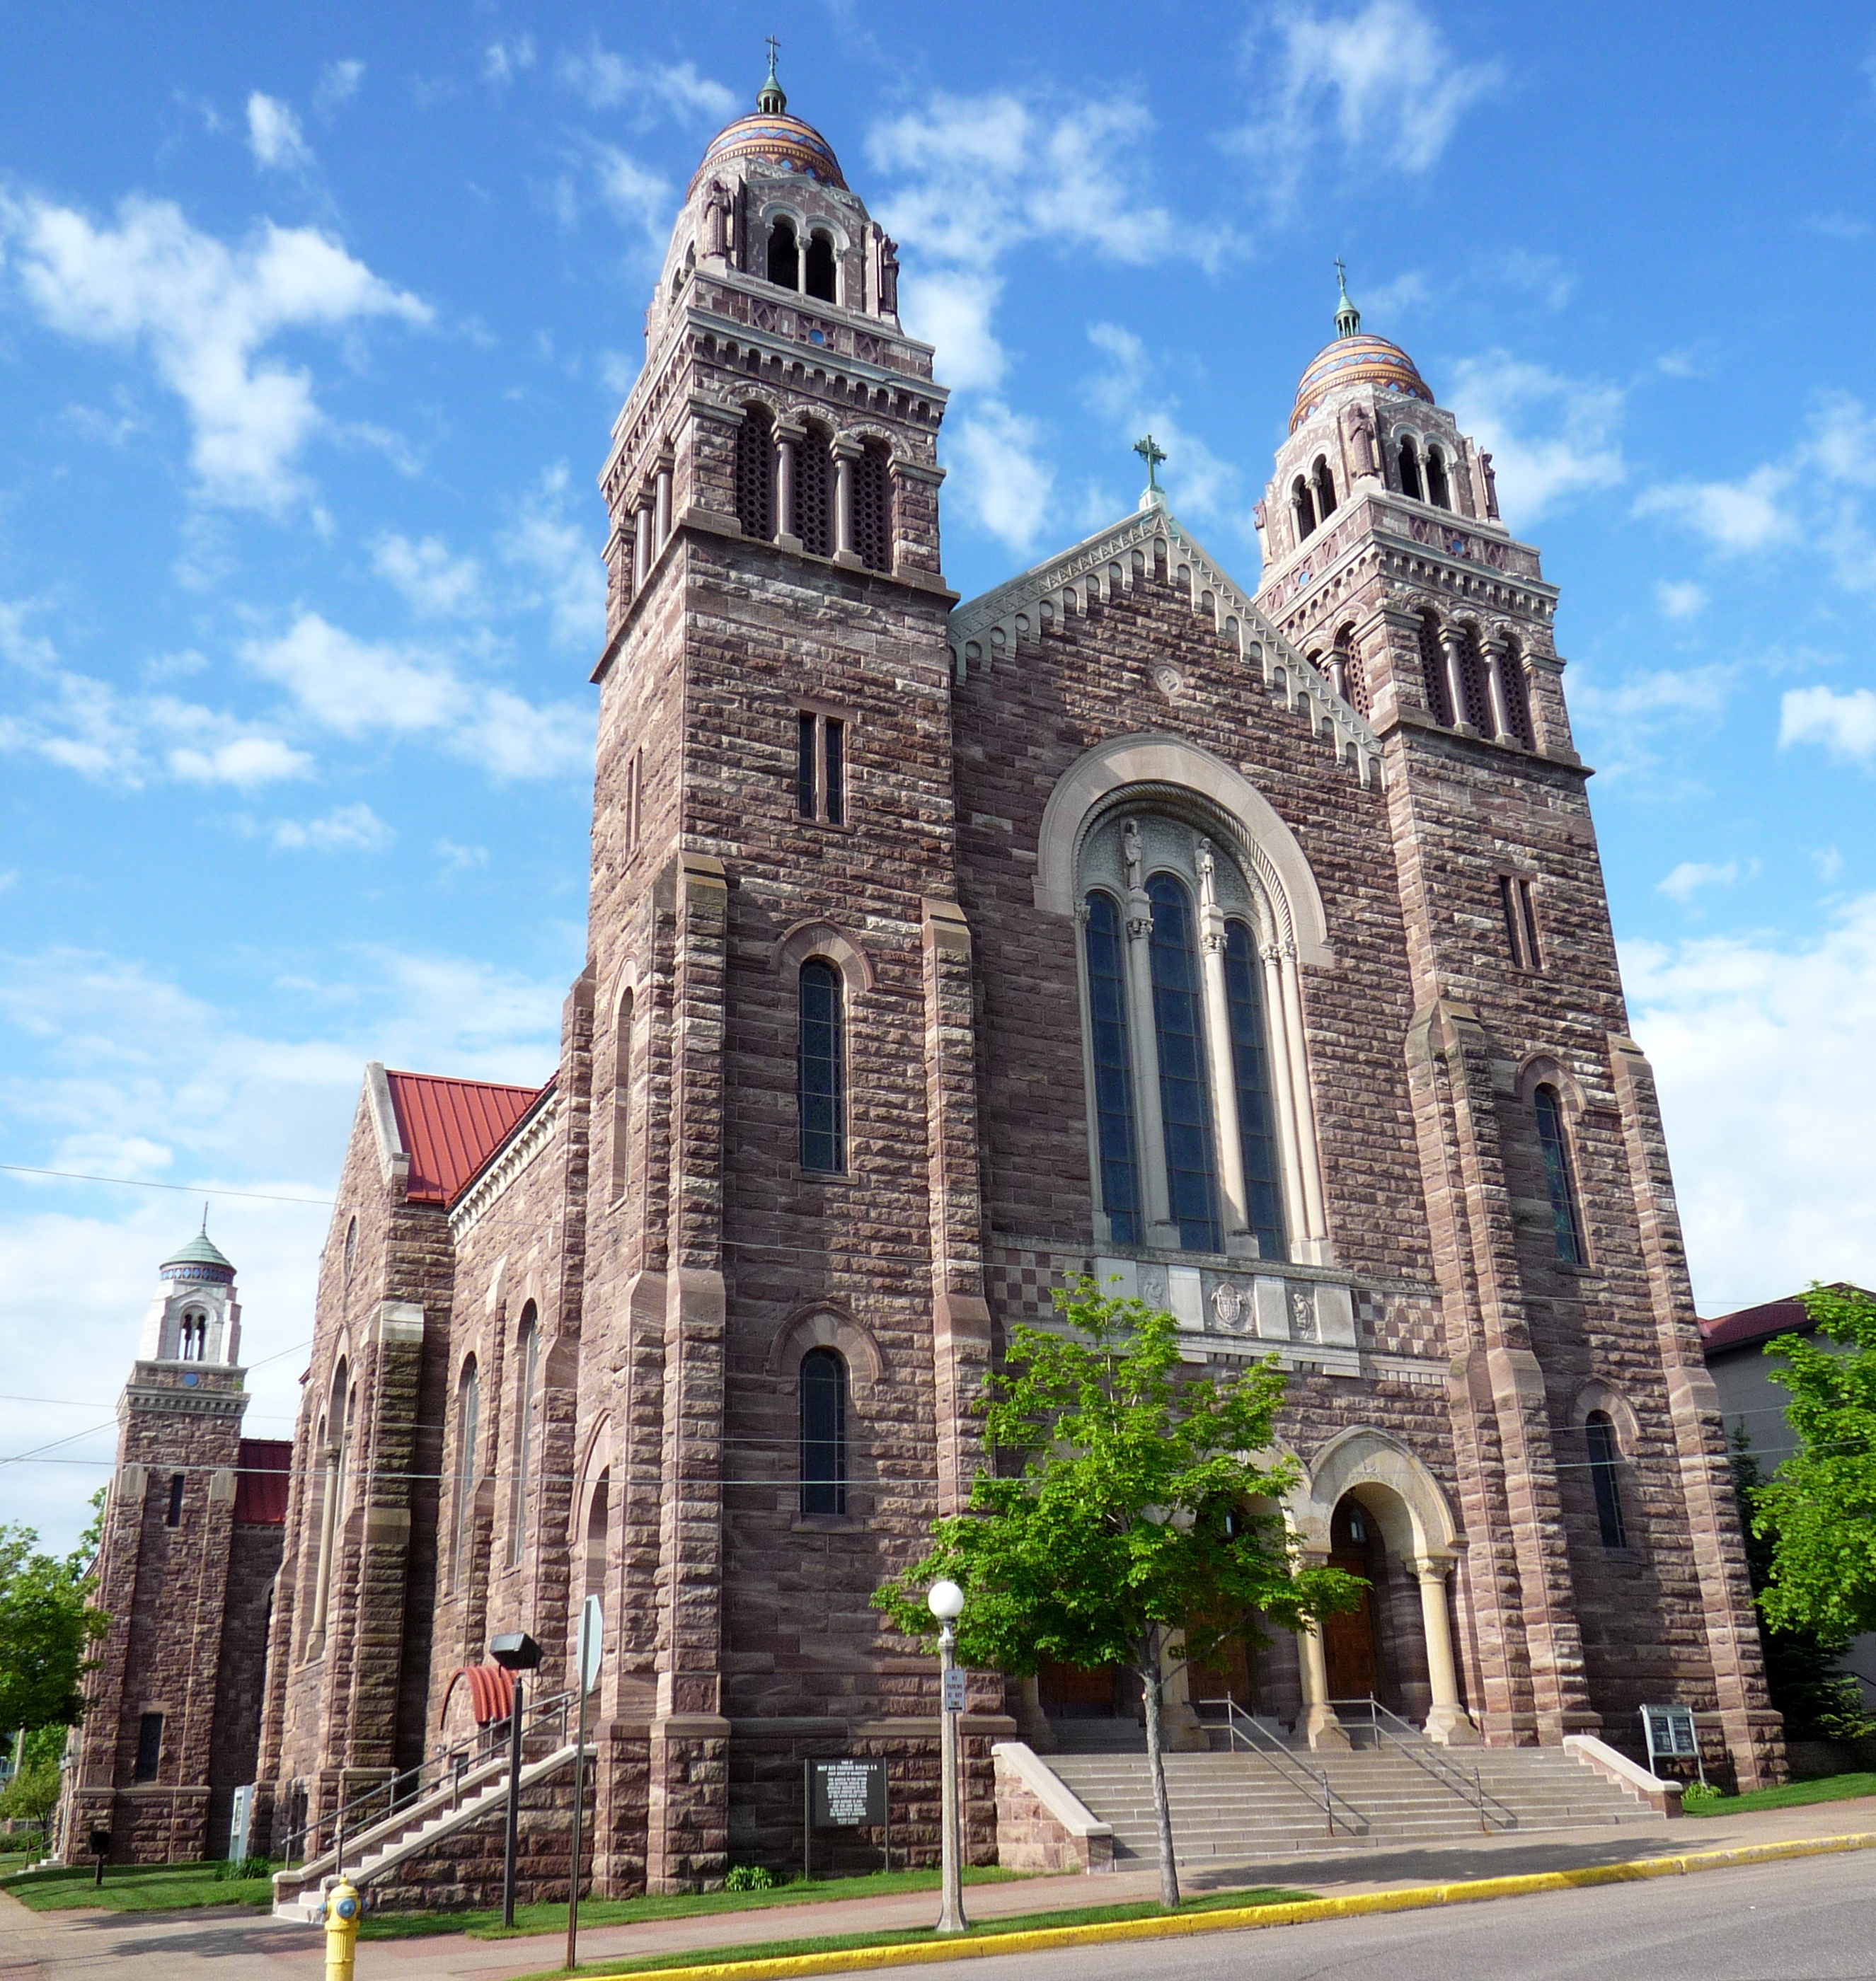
1348,1642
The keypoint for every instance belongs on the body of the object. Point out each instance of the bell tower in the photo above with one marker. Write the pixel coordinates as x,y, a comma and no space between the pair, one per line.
782,1019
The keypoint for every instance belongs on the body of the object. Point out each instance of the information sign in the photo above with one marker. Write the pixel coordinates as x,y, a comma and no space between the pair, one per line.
953,1691
1671,1735
844,1794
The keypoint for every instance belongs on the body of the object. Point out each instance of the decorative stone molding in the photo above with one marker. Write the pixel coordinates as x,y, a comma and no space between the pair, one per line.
531,1134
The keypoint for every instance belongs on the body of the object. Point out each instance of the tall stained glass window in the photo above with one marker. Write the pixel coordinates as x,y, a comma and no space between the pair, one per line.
824,1139
1185,1106
1256,1124
1114,1081
1566,1221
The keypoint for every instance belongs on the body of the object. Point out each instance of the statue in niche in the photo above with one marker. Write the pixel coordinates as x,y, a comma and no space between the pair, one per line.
716,220
1491,482
888,275
1361,439
1259,517
1133,854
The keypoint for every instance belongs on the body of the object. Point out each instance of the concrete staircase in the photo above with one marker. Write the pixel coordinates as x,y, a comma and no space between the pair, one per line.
1246,1805
372,1854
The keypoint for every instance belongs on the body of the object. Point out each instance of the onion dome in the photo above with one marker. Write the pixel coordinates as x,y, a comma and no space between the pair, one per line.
775,138
200,1259
1355,357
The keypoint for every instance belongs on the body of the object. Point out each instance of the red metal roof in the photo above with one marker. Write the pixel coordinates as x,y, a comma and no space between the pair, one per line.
261,1485
450,1127
1753,1324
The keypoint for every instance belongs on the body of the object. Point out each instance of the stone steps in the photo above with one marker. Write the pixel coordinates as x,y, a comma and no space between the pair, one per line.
1227,1804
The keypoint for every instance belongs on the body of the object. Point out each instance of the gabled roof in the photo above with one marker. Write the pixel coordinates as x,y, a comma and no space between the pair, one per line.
1752,1325
450,1128
1018,610
261,1485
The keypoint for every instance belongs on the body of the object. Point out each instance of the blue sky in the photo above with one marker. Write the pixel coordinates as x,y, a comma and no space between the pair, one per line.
312,325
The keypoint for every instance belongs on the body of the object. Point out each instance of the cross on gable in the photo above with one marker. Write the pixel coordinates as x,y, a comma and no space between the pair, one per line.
1150,451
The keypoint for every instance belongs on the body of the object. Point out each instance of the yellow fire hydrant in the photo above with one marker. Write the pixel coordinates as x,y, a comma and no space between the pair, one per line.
343,1905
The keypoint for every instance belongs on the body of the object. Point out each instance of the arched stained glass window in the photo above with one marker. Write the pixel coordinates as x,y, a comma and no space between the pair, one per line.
1604,1458
528,1348
824,1432
468,1408
822,1069
1185,1107
1566,1221
1257,1122
1114,1076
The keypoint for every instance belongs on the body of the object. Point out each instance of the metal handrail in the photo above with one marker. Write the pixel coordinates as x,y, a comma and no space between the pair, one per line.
1313,1782
1414,1743
490,1744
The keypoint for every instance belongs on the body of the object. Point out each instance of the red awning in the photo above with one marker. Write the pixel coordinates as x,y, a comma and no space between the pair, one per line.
491,1693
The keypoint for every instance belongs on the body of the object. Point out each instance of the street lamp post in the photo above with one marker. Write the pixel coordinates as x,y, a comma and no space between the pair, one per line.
515,1652
946,1600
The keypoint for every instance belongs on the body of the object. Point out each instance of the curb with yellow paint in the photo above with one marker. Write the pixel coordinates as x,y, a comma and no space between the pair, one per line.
1179,1925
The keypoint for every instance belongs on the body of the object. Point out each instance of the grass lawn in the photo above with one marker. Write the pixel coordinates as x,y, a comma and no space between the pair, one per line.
1794,1794
628,1912
773,1950
135,1888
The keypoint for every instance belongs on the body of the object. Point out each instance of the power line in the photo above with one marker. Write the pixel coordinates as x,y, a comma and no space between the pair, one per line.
186,1188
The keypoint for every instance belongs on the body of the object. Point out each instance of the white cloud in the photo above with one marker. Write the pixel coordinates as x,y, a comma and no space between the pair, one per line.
502,60
951,309
1749,514
1004,478
338,83
1382,79
245,762
360,687
1768,1087
564,558
1624,724
1550,438
1544,276
273,136
1679,598
115,1071
206,312
1845,725
432,579
346,828
606,80
1690,876
639,198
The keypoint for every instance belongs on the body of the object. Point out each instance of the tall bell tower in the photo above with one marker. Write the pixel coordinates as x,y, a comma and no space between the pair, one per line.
773,905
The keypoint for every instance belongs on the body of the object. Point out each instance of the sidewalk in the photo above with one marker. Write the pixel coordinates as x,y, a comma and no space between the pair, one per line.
196,1946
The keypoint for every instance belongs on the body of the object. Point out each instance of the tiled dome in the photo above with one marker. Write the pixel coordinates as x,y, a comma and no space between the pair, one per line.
1359,359
776,139
200,1259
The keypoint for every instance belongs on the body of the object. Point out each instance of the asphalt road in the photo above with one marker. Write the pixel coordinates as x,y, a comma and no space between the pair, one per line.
1812,1919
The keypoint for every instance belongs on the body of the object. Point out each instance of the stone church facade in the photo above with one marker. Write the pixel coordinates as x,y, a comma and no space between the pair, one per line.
1246,945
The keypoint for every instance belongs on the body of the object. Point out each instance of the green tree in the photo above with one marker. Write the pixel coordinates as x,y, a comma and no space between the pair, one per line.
1120,1511
33,1793
1818,1512
47,1626
1816,1699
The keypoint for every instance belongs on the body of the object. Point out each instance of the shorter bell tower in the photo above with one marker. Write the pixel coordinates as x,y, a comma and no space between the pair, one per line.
193,1523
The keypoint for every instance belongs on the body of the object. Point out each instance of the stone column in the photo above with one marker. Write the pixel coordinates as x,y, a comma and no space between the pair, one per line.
641,546
1319,1721
1308,1163
1295,1214
1494,686
844,454
785,438
1145,1052
1453,641
663,503
1221,1063
1179,1726
1446,1722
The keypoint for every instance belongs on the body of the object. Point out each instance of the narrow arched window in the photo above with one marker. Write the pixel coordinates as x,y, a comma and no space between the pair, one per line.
1114,1075
1604,1476
1304,508
1473,678
622,1097
1256,1114
1566,1221
528,1360
1409,467
755,474
194,1342
1516,694
352,1248
813,519
820,278
872,507
1433,670
824,1432
1325,488
822,1058
468,1408
783,255
1438,492
1185,1108
598,1513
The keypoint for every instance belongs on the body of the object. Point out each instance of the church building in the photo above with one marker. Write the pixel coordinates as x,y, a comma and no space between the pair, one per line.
1244,944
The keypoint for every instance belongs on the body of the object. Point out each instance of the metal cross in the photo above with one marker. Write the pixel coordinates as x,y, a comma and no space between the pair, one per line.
1341,273
1152,454
774,48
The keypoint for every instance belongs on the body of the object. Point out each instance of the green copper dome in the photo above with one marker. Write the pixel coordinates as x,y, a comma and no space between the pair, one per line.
201,1258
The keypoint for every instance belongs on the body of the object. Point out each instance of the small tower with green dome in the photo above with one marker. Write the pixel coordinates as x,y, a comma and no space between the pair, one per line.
195,1317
